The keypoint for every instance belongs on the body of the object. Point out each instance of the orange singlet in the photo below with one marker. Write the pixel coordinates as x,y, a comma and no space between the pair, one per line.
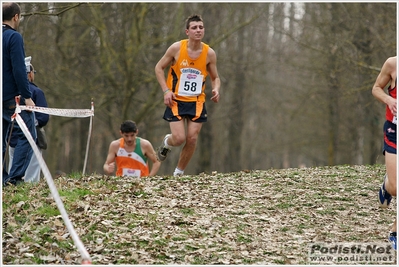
131,163
187,76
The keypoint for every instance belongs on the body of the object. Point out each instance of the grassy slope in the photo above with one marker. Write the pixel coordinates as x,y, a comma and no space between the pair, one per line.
256,217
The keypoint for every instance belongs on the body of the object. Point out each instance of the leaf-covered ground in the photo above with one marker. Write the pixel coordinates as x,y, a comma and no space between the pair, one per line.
248,217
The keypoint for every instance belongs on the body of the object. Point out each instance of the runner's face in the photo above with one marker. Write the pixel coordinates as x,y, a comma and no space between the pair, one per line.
196,30
129,138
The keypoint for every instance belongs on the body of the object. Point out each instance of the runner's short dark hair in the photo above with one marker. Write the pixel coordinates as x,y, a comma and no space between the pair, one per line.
191,18
128,126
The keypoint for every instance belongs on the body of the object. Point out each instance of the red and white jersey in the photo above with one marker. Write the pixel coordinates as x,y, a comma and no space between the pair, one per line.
388,114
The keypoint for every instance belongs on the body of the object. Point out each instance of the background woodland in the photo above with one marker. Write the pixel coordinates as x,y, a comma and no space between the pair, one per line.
296,80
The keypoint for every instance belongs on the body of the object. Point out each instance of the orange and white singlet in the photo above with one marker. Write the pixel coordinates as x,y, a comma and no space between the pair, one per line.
131,163
187,76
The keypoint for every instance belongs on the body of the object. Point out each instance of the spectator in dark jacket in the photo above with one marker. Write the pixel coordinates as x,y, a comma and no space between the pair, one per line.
15,84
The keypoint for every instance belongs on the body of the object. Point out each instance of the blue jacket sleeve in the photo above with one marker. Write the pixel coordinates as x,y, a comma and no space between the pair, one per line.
40,100
17,54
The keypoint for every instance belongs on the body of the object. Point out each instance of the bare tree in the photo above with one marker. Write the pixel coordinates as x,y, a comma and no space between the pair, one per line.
296,79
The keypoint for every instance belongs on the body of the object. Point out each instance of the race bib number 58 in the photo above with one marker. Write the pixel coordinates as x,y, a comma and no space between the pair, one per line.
190,84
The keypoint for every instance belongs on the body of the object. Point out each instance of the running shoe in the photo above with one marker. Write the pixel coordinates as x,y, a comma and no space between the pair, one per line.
162,150
384,197
392,239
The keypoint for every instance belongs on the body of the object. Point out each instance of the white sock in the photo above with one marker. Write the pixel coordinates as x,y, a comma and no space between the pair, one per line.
166,143
178,172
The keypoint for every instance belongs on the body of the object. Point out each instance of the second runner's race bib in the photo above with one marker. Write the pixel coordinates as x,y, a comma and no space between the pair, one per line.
131,172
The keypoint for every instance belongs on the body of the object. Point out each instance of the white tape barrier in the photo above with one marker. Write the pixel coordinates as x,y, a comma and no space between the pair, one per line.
75,113
78,243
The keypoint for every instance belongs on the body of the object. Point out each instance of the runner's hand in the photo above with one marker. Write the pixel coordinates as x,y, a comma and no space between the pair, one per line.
111,167
168,98
216,96
392,104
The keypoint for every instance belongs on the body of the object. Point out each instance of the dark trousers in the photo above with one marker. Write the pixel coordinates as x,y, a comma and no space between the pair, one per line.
23,150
